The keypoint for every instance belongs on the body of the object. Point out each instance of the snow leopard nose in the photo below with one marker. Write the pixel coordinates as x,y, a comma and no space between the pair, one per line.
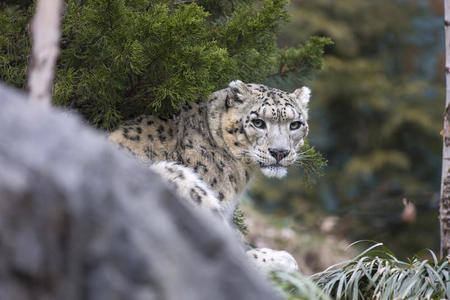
278,154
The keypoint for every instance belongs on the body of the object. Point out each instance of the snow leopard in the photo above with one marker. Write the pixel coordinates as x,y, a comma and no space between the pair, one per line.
210,150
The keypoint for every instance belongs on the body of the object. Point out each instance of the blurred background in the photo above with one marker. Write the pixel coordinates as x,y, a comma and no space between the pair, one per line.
376,113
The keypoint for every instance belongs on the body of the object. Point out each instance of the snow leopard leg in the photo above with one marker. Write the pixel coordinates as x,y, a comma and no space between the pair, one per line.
190,186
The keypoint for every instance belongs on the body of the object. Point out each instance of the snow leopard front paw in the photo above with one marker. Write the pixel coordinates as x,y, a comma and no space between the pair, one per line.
269,260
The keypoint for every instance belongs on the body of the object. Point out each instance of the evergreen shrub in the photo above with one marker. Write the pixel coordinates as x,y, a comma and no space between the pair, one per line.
120,59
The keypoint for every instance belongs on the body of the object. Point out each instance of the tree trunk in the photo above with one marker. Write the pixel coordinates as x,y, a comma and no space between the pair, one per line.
445,182
81,220
45,49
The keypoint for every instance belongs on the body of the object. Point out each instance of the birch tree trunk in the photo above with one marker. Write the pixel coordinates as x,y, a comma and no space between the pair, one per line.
45,30
445,182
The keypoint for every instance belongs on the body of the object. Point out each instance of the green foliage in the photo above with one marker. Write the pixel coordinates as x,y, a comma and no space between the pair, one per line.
14,44
295,286
221,9
374,274
239,221
377,274
135,60
120,58
301,60
311,162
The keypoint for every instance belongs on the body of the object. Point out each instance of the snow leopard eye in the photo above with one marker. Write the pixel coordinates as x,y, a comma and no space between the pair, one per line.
295,125
258,123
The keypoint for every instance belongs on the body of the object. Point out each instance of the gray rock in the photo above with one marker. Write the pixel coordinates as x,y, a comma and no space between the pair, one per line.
80,220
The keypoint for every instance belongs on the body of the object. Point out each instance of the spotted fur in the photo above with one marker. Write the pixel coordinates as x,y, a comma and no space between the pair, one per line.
188,185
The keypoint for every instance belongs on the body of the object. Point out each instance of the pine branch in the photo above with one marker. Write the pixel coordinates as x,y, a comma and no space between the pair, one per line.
285,69
183,2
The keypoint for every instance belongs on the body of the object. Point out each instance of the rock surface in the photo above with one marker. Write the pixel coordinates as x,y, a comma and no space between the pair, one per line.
80,220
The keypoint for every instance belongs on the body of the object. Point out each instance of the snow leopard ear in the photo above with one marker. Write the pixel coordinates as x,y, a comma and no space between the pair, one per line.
302,95
240,90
